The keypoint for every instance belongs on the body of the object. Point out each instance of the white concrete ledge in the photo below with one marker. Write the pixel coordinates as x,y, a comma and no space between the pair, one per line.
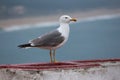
74,70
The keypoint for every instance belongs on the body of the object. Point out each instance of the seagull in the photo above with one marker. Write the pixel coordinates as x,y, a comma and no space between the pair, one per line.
54,39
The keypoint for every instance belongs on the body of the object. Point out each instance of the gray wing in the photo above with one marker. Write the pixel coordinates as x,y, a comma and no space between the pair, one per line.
50,39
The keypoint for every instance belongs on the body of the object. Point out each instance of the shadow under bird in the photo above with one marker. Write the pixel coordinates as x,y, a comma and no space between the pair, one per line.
54,39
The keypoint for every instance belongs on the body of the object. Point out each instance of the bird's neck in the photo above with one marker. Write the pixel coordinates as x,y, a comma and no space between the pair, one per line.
64,28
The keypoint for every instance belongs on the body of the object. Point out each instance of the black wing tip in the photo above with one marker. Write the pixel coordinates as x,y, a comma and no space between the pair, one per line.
20,46
24,45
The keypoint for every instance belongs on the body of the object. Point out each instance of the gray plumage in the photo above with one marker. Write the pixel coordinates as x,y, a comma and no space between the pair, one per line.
54,39
50,39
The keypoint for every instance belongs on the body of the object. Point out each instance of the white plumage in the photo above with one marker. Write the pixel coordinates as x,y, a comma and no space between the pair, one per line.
53,39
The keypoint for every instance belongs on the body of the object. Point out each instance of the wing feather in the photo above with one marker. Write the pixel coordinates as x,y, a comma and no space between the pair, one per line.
50,39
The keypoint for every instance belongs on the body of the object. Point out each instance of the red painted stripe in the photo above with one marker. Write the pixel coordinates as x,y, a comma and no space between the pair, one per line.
60,65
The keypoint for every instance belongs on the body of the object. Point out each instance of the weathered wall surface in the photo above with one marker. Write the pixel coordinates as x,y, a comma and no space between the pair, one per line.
87,70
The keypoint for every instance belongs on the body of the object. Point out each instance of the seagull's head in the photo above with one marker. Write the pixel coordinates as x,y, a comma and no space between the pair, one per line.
66,19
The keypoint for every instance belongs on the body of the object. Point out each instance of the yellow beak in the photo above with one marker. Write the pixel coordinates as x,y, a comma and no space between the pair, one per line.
73,19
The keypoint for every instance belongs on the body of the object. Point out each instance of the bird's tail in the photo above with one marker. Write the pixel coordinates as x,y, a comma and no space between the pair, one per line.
24,45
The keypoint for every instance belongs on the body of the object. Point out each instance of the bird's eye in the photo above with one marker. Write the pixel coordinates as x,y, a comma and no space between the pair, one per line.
66,17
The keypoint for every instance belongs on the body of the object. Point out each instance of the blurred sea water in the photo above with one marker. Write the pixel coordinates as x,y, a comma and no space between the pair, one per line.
89,39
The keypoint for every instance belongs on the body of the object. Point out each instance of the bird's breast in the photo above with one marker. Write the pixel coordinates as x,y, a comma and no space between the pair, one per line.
64,30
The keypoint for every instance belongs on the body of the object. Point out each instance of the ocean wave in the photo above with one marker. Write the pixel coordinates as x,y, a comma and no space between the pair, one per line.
28,26
48,24
101,17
